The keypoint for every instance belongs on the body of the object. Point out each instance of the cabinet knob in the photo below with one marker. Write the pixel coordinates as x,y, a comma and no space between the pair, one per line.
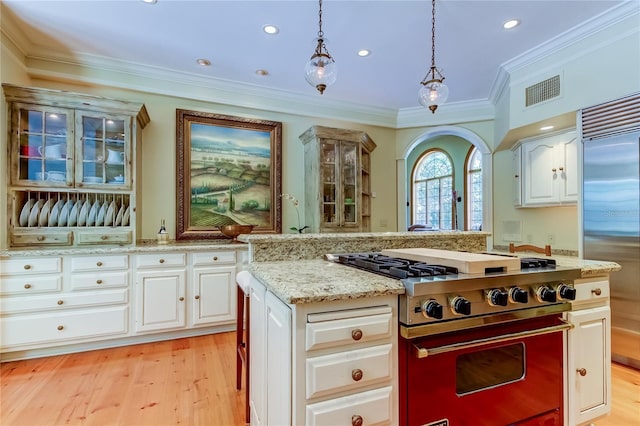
582,371
99,264
356,420
27,267
517,176
197,297
60,327
40,238
60,302
553,170
104,237
27,286
561,168
98,281
596,291
215,257
181,299
161,260
356,334
356,375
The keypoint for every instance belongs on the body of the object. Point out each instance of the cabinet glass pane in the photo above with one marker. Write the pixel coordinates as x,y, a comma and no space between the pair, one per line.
43,146
103,150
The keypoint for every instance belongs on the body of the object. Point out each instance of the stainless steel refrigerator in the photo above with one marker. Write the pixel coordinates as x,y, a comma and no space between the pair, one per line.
611,223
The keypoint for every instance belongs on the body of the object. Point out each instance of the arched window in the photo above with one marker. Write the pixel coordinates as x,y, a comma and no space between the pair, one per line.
432,186
474,190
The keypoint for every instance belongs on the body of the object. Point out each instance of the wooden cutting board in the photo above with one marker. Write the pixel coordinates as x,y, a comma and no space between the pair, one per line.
467,263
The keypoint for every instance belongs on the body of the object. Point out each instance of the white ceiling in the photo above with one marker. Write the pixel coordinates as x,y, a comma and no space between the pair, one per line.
471,44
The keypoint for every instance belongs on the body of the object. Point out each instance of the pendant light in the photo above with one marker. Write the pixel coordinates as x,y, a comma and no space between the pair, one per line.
321,70
433,91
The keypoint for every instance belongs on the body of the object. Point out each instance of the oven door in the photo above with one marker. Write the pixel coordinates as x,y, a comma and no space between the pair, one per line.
507,374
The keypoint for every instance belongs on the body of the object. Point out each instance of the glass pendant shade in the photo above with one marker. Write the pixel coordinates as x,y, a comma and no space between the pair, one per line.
432,94
321,70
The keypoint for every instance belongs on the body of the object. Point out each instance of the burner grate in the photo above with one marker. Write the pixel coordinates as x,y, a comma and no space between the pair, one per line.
394,267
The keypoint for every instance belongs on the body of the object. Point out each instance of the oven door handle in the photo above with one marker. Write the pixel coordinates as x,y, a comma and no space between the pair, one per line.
421,352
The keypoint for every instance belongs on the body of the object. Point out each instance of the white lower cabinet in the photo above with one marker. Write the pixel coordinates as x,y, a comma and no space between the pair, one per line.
589,366
160,300
213,288
326,363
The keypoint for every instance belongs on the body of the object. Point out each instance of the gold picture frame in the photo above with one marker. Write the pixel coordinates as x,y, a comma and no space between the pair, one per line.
228,172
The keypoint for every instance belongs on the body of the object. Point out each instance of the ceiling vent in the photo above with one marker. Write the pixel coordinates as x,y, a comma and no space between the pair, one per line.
543,91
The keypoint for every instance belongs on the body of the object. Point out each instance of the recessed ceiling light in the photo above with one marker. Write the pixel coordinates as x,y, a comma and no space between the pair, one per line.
364,52
270,29
262,72
511,23
203,62
150,1
546,127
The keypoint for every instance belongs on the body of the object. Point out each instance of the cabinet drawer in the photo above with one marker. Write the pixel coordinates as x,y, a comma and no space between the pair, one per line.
348,331
99,263
591,290
160,260
60,238
34,265
93,324
106,237
340,372
95,281
30,284
213,258
12,305
374,407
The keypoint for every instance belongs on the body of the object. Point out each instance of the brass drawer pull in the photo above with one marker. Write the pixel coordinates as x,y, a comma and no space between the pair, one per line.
98,281
27,267
356,375
104,237
99,264
215,257
60,327
27,286
356,334
40,238
161,260
181,299
60,302
197,297
582,371
596,291
356,420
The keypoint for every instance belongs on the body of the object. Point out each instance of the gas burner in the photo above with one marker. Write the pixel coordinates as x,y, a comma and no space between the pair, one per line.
393,266
535,262
422,270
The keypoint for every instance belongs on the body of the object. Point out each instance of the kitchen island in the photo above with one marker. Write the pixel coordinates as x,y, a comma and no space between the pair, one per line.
309,310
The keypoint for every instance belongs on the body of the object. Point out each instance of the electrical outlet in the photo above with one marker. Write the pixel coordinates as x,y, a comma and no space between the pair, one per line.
551,239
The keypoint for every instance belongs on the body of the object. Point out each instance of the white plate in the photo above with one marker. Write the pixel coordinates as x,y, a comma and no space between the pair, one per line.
83,213
55,212
73,214
125,218
101,214
24,214
93,213
63,218
43,218
118,221
35,211
108,219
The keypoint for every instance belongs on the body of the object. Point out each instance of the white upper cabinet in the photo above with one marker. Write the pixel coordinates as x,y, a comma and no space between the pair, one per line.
546,170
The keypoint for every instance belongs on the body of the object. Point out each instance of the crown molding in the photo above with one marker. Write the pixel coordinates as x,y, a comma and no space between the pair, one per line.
451,113
85,68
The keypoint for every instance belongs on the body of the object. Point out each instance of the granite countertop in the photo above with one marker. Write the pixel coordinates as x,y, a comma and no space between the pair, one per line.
309,281
140,247
316,280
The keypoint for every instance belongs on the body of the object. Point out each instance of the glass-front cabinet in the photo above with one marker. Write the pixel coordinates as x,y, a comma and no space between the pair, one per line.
337,179
72,167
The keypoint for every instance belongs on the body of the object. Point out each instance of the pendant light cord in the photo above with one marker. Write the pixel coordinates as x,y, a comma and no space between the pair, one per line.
320,32
433,38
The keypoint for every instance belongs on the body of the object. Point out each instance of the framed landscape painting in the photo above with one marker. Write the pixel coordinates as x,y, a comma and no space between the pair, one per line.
228,172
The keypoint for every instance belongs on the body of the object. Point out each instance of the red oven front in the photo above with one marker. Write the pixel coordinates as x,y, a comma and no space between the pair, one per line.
507,374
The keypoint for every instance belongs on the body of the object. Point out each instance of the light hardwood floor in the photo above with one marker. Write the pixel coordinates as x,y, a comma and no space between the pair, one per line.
180,382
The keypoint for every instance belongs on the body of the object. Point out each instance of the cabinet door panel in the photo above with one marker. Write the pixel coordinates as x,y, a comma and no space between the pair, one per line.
214,295
539,176
569,172
374,407
160,302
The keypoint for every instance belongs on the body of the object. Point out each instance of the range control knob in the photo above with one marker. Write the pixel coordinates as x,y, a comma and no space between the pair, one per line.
566,292
460,306
497,297
432,309
545,294
518,295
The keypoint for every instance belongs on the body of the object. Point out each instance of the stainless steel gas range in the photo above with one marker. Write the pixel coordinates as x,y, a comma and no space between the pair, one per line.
477,346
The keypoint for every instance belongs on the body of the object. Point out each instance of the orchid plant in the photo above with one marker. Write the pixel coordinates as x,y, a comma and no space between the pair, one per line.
300,229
